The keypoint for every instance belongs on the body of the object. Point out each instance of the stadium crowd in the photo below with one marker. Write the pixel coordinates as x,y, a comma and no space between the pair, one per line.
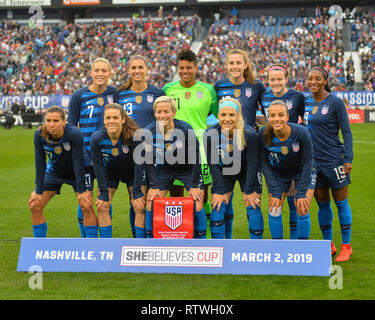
363,41
63,66
309,45
64,54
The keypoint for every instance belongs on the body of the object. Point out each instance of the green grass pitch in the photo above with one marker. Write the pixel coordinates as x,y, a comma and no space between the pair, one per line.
17,182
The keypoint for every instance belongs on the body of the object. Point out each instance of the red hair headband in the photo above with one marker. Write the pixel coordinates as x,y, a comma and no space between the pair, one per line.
278,68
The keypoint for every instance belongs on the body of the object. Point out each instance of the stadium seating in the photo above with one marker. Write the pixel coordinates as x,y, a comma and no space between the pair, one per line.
61,56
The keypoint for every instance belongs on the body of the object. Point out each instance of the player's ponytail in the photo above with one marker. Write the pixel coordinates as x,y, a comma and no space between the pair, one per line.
43,128
268,130
128,127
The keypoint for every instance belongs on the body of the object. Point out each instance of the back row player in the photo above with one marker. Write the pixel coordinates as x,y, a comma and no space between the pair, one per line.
86,110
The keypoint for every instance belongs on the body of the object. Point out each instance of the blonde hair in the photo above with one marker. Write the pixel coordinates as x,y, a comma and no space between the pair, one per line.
106,62
239,139
248,73
166,99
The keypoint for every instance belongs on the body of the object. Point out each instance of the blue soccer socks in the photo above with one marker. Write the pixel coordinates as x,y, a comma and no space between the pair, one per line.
132,219
292,218
200,224
256,223
345,218
325,217
217,223
40,230
275,222
149,224
105,232
303,227
91,231
80,222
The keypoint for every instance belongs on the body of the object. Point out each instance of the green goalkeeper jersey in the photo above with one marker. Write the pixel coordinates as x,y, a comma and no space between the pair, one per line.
194,104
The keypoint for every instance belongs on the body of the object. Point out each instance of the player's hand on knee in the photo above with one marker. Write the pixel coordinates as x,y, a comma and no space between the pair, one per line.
275,206
302,206
196,194
139,204
84,199
152,194
102,205
217,200
252,199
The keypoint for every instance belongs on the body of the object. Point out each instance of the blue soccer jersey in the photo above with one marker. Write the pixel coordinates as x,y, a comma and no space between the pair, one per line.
295,101
86,110
65,158
248,94
291,159
112,163
222,153
139,105
324,120
177,155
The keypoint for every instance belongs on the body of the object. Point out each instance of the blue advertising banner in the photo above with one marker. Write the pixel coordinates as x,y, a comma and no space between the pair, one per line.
358,98
185,256
36,102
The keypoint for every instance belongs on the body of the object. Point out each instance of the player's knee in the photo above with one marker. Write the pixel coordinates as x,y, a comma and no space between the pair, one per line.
35,206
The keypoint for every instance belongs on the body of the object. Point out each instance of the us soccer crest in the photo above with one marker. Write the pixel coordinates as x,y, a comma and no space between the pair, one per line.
125,149
325,109
199,94
150,98
295,147
289,104
66,146
248,92
173,216
110,99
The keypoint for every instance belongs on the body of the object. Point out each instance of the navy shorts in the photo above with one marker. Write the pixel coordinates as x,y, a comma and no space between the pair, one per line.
332,176
114,182
54,183
166,179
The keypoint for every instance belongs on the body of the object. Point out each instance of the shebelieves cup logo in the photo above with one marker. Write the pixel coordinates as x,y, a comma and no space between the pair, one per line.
173,216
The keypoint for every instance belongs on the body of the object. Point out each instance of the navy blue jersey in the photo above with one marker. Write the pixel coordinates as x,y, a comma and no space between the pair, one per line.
291,159
86,110
178,154
111,162
324,120
140,105
248,94
65,158
222,153
295,101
